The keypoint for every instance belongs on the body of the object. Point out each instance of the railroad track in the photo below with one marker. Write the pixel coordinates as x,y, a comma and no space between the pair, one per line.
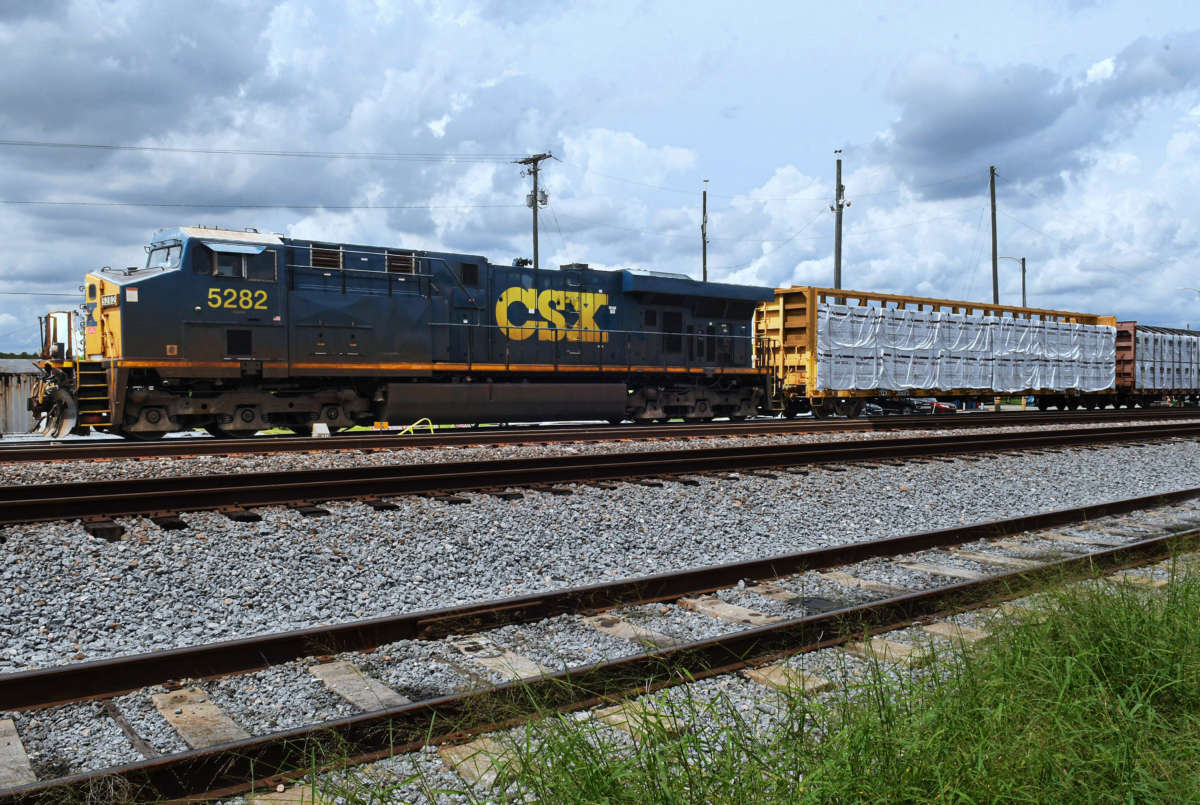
162,499
41,451
1101,538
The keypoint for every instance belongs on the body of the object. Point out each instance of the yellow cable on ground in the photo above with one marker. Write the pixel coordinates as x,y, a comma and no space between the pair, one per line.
422,421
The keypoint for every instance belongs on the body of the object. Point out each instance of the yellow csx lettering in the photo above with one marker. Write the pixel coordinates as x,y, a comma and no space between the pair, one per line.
552,306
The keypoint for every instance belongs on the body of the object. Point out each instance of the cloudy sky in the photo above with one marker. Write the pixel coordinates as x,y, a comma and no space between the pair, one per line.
1089,110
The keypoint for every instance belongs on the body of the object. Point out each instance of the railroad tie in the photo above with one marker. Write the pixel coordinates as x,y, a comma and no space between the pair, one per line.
1092,539
239,515
197,720
1134,577
771,590
789,679
103,528
935,569
994,559
714,607
848,580
479,761
619,627
168,521
640,720
886,651
348,681
952,631
495,657
14,763
1032,550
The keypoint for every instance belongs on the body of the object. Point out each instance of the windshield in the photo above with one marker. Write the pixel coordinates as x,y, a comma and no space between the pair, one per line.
164,257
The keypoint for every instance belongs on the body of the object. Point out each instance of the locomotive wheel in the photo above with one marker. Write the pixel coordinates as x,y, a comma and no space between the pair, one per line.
821,409
217,432
1073,404
140,436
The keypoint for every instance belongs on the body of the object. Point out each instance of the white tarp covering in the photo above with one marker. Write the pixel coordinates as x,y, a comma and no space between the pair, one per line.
1167,361
865,347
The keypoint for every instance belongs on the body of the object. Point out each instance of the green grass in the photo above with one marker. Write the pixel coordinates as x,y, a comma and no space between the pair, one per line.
1099,702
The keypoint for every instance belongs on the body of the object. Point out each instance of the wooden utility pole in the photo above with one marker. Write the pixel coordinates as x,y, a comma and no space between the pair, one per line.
533,165
704,232
995,257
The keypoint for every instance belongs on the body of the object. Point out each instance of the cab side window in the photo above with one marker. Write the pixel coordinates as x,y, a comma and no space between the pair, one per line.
227,265
254,267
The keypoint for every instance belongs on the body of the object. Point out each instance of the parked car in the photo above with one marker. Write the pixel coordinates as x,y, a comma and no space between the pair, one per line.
904,406
941,407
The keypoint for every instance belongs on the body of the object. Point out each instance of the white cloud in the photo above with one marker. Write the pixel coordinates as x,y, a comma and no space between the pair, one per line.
1101,70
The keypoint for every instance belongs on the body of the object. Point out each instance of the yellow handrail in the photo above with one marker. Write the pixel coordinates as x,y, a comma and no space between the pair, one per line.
418,423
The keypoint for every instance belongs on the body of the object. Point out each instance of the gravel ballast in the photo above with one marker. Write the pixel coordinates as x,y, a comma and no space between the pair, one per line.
68,596
22,473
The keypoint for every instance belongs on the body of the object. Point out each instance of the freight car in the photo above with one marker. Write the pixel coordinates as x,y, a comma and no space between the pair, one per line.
833,350
237,331
1157,364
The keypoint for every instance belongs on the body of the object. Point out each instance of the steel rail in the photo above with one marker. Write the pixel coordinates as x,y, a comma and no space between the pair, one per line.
14,452
45,687
259,762
45,502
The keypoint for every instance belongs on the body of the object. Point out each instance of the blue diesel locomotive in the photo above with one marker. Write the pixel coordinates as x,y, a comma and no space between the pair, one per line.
237,331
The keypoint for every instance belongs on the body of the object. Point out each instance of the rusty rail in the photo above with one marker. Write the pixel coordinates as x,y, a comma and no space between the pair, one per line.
15,452
151,496
261,762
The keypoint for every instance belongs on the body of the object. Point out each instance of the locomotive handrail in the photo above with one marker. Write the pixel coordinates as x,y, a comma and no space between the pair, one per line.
601,345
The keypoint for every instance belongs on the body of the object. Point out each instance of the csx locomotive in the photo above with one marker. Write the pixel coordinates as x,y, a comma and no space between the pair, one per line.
237,331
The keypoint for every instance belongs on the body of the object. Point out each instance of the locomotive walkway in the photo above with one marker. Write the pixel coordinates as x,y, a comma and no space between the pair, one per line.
229,765
162,499
42,451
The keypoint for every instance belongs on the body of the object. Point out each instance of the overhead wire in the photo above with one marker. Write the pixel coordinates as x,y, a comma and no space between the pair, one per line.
679,190
368,155
812,221
254,205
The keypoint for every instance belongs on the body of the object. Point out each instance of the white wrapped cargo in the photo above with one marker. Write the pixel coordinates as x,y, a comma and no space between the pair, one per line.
1166,360
894,350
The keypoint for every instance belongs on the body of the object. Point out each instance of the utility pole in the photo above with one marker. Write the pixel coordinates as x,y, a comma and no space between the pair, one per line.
995,258
533,165
1021,260
839,201
704,232
1023,302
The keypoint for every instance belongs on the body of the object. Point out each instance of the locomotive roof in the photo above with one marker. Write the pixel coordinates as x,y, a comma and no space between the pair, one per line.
216,233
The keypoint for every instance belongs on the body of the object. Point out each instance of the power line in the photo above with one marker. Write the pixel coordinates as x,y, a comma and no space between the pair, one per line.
820,212
254,205
853,230
680,190
415,157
